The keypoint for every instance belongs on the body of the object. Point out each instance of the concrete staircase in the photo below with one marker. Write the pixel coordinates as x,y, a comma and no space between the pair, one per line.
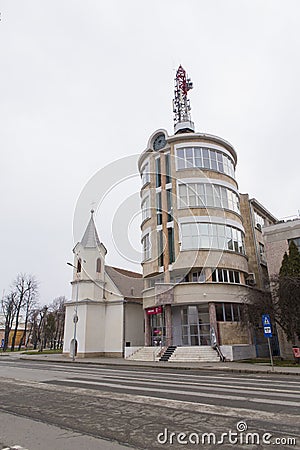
146,354
202,353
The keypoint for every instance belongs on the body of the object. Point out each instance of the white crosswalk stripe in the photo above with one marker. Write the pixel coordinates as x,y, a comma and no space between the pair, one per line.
14,447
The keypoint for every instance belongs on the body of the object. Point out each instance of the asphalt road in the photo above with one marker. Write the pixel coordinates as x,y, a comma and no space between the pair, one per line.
61,406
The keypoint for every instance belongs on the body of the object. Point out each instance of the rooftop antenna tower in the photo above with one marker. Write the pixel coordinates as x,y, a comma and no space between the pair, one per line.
181,104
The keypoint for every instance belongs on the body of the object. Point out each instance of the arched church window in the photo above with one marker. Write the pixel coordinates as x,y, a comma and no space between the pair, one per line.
79,265
98,265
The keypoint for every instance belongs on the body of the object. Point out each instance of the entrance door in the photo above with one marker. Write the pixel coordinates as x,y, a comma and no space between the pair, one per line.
195,325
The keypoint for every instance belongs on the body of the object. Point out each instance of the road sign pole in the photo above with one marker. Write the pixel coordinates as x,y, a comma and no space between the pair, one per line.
271,357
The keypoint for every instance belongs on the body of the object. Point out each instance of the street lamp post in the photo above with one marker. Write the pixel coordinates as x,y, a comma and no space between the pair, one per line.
75,317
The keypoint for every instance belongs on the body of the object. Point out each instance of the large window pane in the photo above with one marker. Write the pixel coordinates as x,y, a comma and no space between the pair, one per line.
204,157
198,157
189,157
228,313
236,277
213,160
180,159
219,312
168,168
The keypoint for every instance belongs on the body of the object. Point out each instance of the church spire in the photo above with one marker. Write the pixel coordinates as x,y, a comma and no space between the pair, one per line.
90,238
181,104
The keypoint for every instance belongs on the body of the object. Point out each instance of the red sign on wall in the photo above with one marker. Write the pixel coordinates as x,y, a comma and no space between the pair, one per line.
155,310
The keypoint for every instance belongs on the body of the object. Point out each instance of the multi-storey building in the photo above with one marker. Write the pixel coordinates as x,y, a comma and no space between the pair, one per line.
277,239
202,245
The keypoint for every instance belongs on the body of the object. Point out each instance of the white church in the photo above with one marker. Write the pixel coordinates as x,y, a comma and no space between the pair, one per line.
105,314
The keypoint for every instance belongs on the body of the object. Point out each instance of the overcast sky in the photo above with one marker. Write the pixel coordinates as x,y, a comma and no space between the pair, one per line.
85,83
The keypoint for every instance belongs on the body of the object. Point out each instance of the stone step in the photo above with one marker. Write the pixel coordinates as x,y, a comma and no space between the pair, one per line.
194,354
146,354
181,354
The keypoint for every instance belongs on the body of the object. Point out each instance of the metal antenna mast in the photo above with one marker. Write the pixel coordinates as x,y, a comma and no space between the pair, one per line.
181,104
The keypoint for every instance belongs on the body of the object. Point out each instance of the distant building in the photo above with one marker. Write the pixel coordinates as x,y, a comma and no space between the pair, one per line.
20,333
277,239
106,303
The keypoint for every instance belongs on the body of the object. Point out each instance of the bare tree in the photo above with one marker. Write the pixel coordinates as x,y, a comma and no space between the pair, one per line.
42,328
29,304
54,323
25,289
257,303
283,306
8,306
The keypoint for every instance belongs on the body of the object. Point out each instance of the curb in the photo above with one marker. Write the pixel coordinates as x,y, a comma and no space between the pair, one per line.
108,363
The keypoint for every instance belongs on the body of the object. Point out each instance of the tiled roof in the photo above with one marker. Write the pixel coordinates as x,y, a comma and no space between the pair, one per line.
129,283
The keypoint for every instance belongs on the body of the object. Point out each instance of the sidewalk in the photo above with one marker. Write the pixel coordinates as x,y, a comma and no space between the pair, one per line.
119,362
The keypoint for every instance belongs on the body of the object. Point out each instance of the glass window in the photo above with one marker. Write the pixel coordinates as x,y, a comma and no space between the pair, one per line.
171,245
220,275
228,312
160,248
157,173
145,209
169,205
204,235
296,242
198,157
207,195
146,247
217,196
236,277
193,315
220,312
261,250
213,160
259,220
220,162
98,265
235,312
231,276
145,175
198,277
180,159
183,198
189,157
192,195
206,163
158,208
168,168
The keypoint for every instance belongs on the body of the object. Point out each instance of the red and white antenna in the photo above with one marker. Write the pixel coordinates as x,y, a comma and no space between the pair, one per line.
181,104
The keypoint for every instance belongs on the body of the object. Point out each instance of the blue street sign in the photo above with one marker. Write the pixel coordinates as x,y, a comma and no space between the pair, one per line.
266,322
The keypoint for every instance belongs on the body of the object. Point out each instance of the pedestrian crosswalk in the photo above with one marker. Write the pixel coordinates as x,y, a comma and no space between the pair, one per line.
125,401
244,392
14,447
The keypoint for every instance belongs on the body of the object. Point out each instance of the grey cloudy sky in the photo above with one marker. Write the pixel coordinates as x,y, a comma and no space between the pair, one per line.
85,83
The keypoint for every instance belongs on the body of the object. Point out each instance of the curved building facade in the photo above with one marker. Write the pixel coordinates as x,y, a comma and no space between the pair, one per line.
195,263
